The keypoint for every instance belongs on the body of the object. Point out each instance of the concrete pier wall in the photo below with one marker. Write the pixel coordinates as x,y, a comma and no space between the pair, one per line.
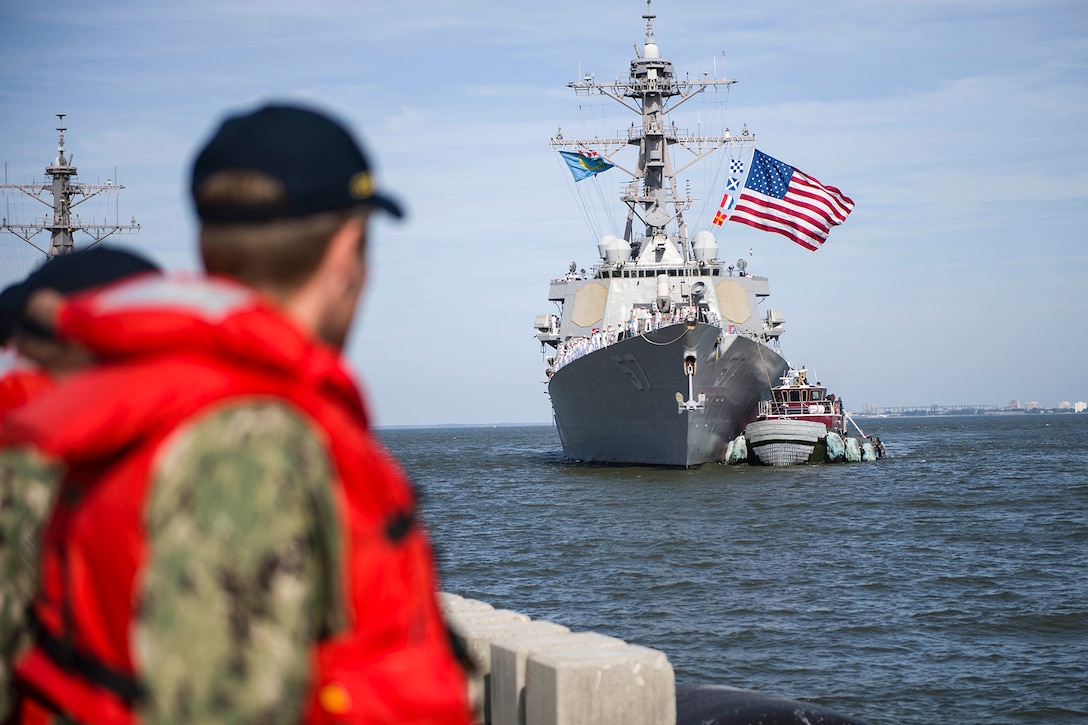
533,672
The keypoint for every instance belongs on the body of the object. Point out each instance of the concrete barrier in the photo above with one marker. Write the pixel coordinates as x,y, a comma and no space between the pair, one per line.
540,673
478,639
450,603
473,623
627,685
509,657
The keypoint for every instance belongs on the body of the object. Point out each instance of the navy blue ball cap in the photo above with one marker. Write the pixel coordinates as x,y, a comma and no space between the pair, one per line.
321,166
67,273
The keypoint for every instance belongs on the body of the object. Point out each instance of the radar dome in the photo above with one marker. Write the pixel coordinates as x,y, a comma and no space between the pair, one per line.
606,241
650,51
705,246
618,251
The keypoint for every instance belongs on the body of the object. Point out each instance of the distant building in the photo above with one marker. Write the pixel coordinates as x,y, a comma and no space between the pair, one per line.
1032,405
1014,405
1080,406
1064,405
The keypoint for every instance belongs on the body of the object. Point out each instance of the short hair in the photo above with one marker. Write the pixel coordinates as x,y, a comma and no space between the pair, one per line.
276,256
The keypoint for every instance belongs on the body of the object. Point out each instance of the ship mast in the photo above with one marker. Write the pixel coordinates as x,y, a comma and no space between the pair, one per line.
64,190
651,86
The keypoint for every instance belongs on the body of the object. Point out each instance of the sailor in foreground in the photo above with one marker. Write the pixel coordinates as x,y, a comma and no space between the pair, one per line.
230,542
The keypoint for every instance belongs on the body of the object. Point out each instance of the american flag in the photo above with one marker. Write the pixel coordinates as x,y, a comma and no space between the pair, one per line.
780,198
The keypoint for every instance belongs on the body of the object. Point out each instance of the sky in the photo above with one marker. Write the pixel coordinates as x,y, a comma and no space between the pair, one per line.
959,128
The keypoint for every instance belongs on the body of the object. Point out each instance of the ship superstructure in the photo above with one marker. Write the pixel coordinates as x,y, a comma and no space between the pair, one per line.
659,354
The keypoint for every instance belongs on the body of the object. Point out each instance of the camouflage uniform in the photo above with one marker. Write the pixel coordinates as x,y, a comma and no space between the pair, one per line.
244,544
28,482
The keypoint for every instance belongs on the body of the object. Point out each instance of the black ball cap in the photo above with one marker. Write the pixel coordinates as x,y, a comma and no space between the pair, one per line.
67,273
320,165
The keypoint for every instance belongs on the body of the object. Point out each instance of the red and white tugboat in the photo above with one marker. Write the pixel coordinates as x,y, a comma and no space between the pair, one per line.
795,425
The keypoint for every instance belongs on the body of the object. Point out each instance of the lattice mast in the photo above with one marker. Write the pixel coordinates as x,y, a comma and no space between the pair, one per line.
656,92
67,193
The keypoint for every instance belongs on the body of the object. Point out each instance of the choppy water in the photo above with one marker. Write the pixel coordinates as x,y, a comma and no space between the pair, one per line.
947,583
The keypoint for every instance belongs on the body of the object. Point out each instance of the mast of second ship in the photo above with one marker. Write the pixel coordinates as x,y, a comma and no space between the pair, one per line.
64,189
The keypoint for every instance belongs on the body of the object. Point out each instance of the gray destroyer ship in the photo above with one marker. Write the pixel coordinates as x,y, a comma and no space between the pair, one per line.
659,355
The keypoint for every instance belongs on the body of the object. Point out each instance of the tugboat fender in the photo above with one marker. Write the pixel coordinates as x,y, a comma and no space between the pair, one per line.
853,450
836,449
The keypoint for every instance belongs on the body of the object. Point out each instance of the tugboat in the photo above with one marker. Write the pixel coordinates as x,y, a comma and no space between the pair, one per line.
792,427
803,423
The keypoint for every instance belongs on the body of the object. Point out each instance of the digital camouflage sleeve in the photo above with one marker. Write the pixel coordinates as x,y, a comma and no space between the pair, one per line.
28,483
244,569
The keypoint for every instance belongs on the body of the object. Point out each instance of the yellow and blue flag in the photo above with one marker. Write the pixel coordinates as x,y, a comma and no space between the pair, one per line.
584,164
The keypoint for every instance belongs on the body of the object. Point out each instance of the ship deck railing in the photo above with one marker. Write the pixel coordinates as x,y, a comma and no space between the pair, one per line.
639,323
779,408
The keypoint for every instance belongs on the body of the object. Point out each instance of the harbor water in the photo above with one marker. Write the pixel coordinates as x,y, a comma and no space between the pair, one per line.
947,583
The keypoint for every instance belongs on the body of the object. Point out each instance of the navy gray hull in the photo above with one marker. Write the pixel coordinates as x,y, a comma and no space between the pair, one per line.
620,404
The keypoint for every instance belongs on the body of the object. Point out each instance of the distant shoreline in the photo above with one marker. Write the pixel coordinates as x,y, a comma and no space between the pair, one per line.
967,412
461,425
920,413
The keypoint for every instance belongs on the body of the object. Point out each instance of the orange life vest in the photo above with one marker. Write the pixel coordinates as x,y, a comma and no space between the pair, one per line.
19,385
174,348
